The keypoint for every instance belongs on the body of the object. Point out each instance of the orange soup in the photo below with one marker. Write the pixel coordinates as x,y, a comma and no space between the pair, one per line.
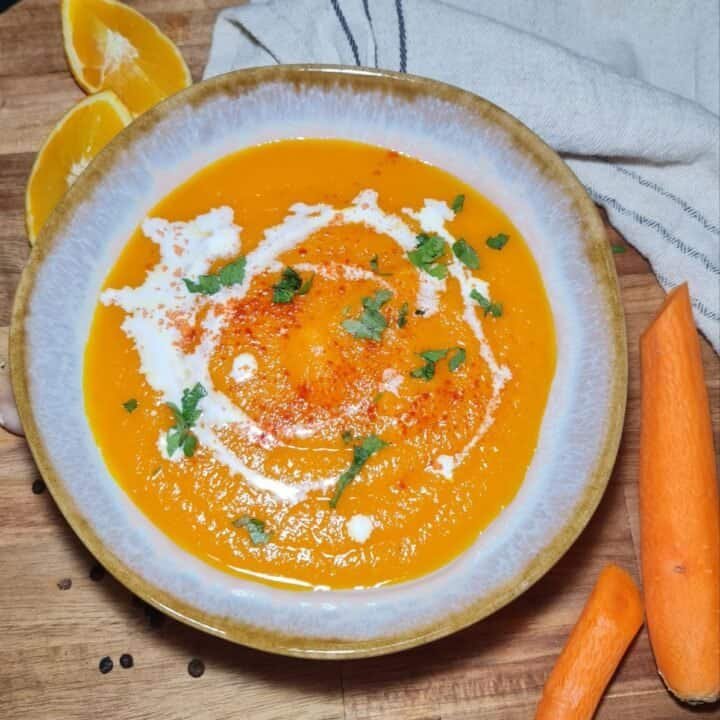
321,364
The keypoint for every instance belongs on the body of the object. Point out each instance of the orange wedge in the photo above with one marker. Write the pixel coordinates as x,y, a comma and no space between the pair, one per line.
110,46
68,150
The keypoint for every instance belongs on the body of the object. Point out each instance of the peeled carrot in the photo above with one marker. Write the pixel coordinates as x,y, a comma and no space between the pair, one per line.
679,506
609,621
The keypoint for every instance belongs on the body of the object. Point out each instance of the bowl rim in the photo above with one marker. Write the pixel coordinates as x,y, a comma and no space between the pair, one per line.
594,236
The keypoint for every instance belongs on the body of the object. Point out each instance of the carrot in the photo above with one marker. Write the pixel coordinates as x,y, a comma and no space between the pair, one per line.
679,506
609,621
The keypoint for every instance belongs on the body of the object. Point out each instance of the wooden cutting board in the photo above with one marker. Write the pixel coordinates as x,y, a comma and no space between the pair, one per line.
53,638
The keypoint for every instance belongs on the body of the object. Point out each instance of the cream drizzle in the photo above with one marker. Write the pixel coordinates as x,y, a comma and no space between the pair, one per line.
188,249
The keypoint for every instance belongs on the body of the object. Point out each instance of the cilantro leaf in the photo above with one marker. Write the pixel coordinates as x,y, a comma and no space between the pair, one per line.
490,308
361,454
403,315
130,404
255,528
425,255
179,435
375,267
371,323
497,242
618,249
466,254
457,359
285,290
426,372
433,355
305,287
205,285
458,203
231,274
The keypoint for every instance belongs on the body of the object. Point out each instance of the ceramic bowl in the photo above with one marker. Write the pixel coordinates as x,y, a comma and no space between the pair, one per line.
452,129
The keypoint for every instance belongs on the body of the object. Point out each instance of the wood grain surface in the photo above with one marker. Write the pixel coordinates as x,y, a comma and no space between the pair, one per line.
53,638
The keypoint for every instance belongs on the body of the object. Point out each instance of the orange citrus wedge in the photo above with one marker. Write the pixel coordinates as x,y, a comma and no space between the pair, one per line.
110,46
73,143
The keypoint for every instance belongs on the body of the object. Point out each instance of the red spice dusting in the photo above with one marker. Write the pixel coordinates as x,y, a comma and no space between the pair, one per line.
178,250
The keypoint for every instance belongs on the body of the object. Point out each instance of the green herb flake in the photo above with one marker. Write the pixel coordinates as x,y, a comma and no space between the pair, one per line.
433,355
618,249
347,436
426,372
361,454
375,267
425,255
466,254
130,405
378,397
497,242
456,359
179,435
490,308
290,285
458,203
231,274
371,323
255,528
403,315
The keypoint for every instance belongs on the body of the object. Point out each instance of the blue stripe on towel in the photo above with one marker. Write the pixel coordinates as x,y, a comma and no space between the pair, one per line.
402,36
366,7
686,206
655,225
346,30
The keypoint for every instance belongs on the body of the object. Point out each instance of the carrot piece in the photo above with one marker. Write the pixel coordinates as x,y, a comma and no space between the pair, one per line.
609,621
679,506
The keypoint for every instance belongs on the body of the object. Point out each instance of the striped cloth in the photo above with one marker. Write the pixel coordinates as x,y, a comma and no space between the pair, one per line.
626,91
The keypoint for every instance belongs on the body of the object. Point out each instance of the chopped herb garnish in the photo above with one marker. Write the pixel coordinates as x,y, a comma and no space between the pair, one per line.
432,358
179,435
497,242
255,528
424,372
458,203
378,397
130,404
375,267
425,255
347,436
290,285
456,359
402,315
618,249
371,323
361,454
466,254
490,308
231,274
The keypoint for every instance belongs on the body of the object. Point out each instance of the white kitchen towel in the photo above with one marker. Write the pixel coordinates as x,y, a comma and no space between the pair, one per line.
626,90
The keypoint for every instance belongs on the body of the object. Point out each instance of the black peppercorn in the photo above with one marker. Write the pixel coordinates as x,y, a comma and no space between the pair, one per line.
97,572
38,487
196,667
126,660
64,584
106,665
